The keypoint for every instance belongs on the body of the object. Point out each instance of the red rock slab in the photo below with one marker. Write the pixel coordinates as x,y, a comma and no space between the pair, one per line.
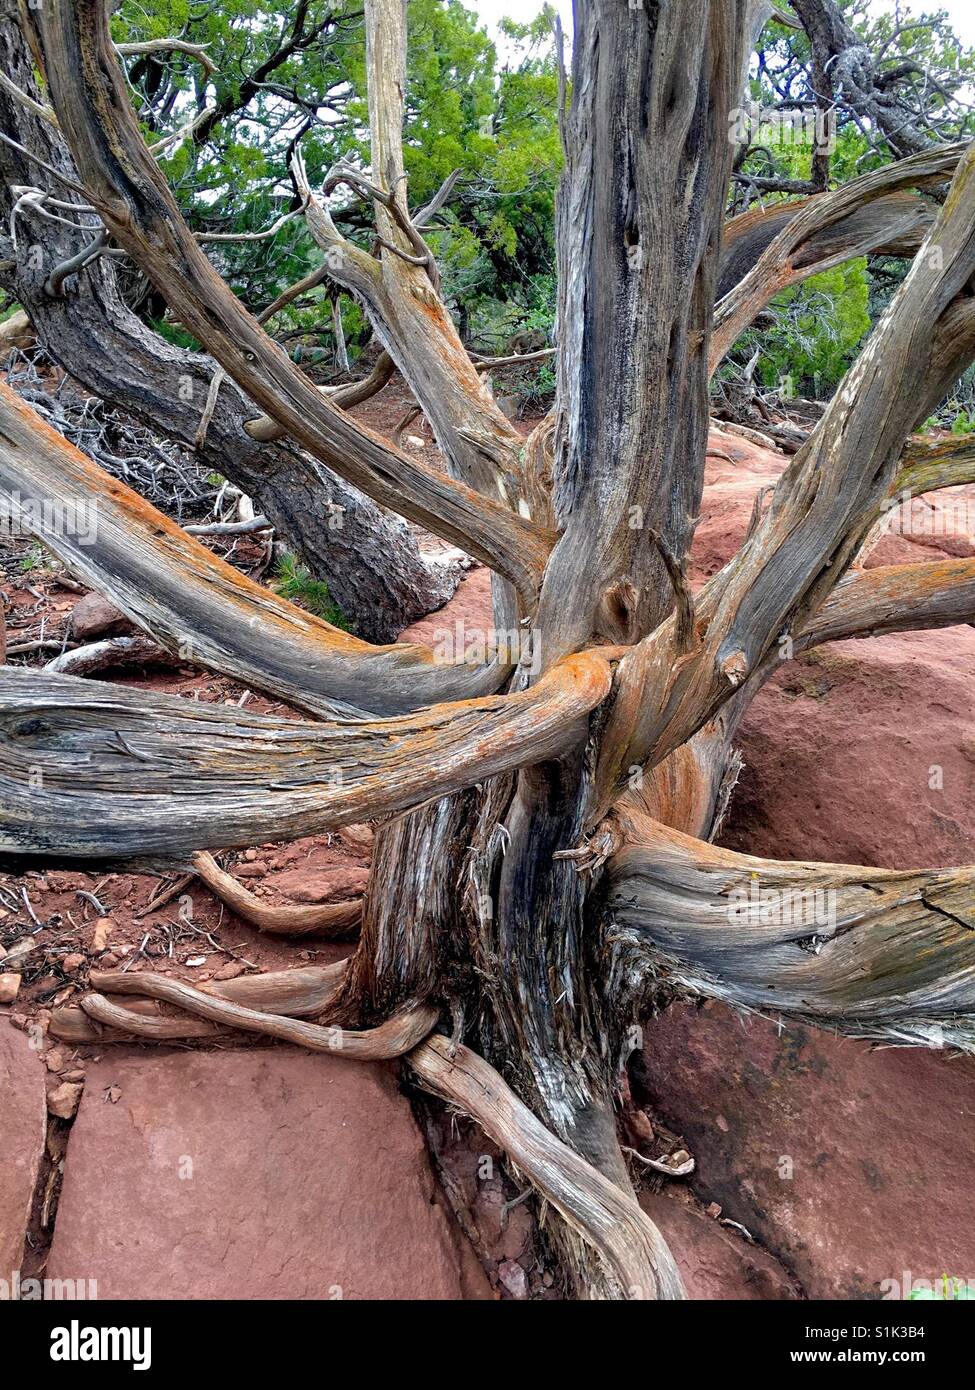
23,1118
852,1166
863,752
715,1262
260,1173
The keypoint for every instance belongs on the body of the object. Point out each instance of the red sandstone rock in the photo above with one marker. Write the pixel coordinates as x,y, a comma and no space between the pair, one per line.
267,1173
322,885
864,753
93,616
851,1165
714,1262
23,1117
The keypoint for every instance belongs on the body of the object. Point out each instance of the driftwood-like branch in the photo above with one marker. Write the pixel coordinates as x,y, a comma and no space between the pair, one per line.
328,920
401,291
875,952
135,204
303,993
894,598
198,51
372,562
929,464
196,605
264,430
607,1218
390,1039
892,225
110,652
803,248
105,771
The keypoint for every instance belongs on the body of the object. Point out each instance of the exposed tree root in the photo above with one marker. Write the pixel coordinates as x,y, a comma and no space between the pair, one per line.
606,1217
391,1039
301,993
330,920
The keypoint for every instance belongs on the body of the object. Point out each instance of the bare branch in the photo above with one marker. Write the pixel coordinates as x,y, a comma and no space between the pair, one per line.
822,507
802,249
196,605
875,952
136,205
391,1039
105,771
329,920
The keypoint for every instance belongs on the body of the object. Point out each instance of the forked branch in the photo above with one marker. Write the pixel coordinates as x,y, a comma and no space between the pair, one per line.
132,198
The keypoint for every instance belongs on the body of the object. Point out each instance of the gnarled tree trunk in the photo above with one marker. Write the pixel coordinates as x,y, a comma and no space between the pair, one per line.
543,868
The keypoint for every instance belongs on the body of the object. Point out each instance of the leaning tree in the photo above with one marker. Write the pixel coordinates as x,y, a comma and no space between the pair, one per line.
544,870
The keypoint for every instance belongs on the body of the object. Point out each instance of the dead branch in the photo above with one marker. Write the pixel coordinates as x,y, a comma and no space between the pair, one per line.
390,1039
802,247
874,952
93,770
138,208
822,507
302,993
194,604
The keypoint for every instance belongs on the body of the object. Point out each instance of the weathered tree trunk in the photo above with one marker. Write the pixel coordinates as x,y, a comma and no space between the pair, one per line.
544,859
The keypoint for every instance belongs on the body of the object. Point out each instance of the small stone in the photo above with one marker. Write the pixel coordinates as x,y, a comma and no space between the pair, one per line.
94,616
104,927
514,1278
195,961
714,1209
639,1123
74,961
109,960
250,855
9,987
358,838
17,954
63,1101
230,971
54,1059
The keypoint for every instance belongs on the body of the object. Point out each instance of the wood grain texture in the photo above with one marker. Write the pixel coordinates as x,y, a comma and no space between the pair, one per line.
609,1219
390,1039
94,770
372,562
824,231
874,952
328,920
